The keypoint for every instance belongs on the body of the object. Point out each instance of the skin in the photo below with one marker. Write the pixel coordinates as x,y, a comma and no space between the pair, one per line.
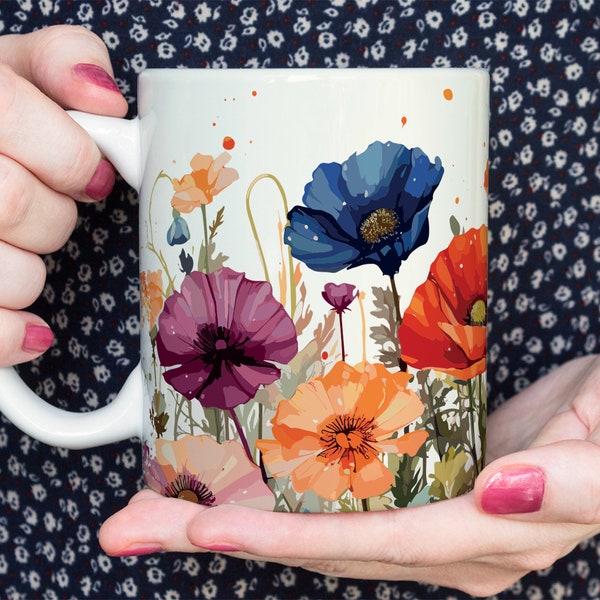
40,186
553,426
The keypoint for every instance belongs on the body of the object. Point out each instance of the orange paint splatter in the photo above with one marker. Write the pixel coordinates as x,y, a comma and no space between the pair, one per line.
403,121
228,143
254,92
448,94
457,200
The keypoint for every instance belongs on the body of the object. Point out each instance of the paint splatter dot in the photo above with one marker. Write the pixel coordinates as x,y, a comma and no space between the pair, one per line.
456,200
324,355
228,143
254,92
403,121
448,94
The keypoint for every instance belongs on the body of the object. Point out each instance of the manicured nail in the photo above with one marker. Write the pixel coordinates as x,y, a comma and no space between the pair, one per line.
514,490
102,181
220,548
38,338
96,75
139,550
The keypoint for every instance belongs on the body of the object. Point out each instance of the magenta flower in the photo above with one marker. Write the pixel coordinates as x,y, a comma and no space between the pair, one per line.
339,296
221,336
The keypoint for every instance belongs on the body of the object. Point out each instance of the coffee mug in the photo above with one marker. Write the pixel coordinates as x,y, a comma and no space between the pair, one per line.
313,283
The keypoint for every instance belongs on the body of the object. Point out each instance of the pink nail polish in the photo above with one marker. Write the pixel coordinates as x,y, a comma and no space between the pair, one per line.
220,548
38,338
102,182
139,550
514,490
95,75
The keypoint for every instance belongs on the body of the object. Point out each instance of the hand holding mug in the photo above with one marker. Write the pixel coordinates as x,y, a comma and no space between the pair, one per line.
46,161
534,502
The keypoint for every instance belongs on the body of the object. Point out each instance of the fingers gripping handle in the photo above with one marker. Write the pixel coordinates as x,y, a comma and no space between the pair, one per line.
119,141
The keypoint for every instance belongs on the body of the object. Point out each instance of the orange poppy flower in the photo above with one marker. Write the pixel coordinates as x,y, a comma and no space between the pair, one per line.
151,295
330,436
209,176
444,327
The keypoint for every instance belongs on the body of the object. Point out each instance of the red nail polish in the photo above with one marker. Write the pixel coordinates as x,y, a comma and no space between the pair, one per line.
95,75
514,490
102,182
38,338
139,550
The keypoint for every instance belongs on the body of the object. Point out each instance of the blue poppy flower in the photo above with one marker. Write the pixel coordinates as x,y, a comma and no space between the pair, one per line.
178,232
371,209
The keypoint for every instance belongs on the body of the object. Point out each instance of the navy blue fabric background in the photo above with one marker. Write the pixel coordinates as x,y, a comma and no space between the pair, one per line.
543,58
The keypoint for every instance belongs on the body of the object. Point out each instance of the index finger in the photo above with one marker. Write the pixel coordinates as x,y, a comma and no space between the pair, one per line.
38,134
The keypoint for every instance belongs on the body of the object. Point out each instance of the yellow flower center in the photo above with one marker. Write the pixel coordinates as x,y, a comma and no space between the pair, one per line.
478,313
379,225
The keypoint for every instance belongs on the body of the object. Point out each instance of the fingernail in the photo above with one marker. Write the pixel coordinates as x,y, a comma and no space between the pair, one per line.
102,181
139,550
96,75
38,338
514,490
220,548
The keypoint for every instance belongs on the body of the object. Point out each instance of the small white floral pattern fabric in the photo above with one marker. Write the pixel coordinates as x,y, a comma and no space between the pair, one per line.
543,57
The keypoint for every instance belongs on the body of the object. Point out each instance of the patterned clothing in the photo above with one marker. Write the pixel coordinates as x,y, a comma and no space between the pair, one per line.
543,57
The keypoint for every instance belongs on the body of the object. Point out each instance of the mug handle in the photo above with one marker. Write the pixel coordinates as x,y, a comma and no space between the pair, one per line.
119,141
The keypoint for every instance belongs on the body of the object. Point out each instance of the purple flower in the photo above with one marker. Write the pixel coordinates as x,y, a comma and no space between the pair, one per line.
339,296
221,335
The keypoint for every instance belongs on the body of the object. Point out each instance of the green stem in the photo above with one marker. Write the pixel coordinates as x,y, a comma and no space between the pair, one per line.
401,364
257,239
178,410
205,226
150,245
473,411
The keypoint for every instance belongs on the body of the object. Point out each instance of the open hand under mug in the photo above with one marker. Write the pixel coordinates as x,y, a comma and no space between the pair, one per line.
313,281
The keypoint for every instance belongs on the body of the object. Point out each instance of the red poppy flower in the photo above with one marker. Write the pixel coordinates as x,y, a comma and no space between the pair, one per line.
444,327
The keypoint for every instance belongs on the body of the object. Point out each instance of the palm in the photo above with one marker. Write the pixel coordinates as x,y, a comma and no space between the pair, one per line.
554,425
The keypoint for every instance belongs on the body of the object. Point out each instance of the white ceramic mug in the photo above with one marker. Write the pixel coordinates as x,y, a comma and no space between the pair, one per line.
313,275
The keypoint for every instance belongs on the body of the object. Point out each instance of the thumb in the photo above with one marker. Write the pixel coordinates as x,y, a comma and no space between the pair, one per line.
69,64
553,483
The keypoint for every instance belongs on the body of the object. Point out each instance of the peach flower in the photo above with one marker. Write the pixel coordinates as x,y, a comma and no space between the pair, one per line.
331,435
209,176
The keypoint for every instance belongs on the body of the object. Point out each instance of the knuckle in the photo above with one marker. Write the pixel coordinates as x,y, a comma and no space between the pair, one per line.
14,205
78,163
8,90
54,39
36,279
10,339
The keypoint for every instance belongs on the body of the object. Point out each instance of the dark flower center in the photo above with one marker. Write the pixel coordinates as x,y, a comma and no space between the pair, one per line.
190,488
217,345
379,225
477,313
344,437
